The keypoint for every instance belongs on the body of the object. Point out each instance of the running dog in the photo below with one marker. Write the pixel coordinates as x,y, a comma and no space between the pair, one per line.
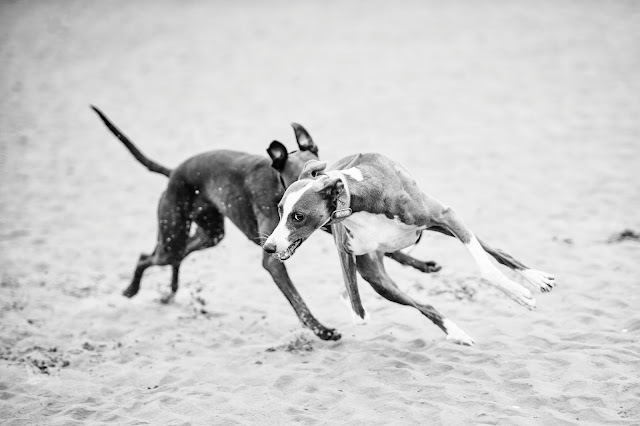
374,206
246,188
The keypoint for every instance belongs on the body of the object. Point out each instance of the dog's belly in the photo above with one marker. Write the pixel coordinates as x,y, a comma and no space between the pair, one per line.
368,232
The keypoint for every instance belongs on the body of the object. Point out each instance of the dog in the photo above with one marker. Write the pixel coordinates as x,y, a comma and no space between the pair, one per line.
374,206
243,187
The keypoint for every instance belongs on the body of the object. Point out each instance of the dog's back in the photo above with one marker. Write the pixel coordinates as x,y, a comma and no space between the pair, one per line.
382,185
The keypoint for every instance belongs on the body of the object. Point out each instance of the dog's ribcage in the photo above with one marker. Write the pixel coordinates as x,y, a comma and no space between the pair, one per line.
368,232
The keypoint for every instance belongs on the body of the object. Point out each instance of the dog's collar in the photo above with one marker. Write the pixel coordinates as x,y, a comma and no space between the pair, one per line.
343,205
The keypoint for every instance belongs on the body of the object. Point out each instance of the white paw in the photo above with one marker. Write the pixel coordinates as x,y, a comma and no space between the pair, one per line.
360,321
456,335
545,282
518,293
515,291
357,320
525,298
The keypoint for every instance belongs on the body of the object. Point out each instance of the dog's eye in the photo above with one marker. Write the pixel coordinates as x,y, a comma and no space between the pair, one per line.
297,217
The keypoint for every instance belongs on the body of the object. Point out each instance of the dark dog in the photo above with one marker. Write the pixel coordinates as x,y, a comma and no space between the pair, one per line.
246,188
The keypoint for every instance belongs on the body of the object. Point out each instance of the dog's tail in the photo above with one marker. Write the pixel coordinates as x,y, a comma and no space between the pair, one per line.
148,163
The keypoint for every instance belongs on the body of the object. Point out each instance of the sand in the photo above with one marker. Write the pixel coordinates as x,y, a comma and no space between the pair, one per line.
522,116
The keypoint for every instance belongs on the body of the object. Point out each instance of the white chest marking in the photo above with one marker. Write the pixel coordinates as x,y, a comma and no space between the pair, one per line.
371,232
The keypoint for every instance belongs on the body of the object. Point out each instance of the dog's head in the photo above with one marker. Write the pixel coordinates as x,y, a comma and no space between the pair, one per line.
306,206
290,164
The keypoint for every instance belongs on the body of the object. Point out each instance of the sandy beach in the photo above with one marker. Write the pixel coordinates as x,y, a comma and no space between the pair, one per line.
522,116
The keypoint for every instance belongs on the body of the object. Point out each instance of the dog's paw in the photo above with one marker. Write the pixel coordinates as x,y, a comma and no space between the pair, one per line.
130,291
456,335
517,292
328,334
429,266
357,318
167,298
360,320
545,282
525,298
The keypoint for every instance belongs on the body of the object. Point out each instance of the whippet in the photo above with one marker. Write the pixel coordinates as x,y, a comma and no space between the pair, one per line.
245,188
374,205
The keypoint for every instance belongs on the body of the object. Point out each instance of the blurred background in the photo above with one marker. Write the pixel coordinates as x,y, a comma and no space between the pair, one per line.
522,116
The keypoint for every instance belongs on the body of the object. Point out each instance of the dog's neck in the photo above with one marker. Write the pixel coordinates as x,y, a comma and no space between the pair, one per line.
343,202
358,195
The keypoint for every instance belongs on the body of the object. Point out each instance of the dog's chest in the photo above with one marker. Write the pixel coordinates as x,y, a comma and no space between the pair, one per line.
368,232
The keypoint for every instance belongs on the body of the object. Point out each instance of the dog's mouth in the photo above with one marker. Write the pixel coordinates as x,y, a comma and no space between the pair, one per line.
284,255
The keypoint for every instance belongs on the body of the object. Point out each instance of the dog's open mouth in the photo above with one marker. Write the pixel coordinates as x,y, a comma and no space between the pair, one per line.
284,255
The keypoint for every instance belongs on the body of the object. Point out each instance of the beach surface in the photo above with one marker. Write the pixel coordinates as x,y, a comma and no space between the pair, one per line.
523,117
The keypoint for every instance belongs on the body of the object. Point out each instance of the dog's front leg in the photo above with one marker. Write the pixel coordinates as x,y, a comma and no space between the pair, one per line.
348,264
281,277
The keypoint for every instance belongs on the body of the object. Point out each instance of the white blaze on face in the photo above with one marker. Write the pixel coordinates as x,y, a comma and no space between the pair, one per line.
280,235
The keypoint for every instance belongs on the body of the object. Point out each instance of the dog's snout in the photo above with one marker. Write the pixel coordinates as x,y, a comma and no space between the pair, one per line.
269,247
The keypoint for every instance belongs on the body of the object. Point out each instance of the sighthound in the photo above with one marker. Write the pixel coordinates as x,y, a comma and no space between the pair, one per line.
373,206
243,187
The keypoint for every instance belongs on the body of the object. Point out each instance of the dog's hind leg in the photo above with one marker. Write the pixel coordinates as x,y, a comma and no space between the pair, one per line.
426,266
445,217
175,272
371,267
209,232
173,232
210,228
143,263
542,280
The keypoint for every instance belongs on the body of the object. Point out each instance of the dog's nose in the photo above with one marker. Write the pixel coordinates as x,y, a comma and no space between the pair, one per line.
269,247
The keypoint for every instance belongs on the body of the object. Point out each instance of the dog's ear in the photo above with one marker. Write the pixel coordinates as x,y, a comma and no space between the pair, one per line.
278,154
331,188
312,169
304,140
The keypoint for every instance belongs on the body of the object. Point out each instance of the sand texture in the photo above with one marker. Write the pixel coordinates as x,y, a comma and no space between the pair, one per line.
522,116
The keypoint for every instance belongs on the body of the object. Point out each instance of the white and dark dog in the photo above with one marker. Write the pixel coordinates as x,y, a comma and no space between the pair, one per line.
374,206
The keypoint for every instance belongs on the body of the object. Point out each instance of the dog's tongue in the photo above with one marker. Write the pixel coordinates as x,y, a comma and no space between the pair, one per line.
288,252
284,256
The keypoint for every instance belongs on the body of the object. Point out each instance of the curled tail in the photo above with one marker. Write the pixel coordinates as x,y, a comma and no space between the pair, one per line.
148,163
